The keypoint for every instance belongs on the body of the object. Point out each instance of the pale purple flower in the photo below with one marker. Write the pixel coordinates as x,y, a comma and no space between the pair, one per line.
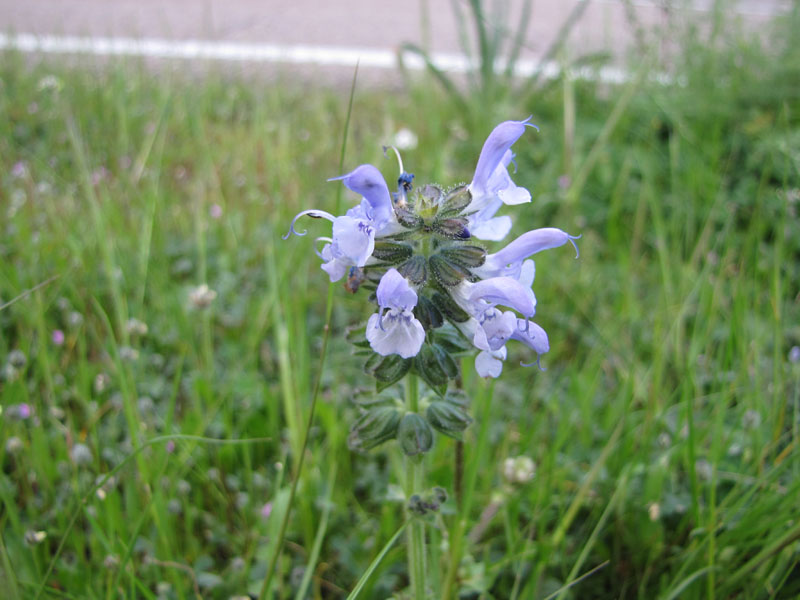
58,337
491,185
490,364
266,510
215,211
99,174
508,261
353,235
19,169
478,298
794,354
19,411
397,331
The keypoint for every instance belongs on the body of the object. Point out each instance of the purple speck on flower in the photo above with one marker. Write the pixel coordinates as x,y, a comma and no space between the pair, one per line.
215,211
24,410
266,510
58,337
19,169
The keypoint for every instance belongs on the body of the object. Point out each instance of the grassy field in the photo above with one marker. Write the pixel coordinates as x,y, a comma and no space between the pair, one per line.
151,427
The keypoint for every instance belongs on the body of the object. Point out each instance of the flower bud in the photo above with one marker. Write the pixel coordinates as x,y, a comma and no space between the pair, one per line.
414,434
447,272
452,228
392,252
376,426
455,202
415,270
448,418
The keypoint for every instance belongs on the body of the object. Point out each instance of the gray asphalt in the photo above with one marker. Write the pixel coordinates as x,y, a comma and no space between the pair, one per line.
369,25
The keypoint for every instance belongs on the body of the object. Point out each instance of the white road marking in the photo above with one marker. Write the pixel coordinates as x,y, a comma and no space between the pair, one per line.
272,53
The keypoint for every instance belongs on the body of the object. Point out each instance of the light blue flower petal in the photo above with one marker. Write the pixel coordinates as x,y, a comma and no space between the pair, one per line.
512,195
395,292
398,332
368,181
532,335
492,230
353,239
494,149
495,330
504,291
507,262
490,364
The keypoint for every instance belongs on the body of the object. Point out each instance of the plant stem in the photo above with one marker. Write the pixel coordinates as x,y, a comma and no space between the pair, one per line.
416,529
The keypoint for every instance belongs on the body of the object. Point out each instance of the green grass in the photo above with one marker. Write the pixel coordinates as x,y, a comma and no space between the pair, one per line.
665,429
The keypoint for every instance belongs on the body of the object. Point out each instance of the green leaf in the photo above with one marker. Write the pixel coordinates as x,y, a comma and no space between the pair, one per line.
375,563
357,336
451,340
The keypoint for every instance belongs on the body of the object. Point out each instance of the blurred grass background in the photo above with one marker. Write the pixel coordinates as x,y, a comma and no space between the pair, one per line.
665,429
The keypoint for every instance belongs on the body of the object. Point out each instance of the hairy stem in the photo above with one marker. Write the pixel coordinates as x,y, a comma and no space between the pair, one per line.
416,529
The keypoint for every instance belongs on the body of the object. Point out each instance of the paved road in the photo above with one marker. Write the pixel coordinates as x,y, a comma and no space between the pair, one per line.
333,33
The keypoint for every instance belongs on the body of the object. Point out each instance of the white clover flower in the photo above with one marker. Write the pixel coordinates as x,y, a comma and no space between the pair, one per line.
202,296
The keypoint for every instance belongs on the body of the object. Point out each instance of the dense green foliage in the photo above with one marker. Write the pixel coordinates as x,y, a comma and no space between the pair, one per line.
665,429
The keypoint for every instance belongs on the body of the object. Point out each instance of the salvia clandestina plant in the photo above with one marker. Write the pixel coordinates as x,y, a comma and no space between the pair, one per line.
439,294
435,285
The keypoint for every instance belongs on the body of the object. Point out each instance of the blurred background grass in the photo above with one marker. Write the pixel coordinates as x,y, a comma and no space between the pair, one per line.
664,431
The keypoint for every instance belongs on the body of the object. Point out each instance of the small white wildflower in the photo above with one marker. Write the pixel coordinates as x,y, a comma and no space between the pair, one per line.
654,510
703,468
35,537
49,82
751,419
17,359
111,561
202,296
136,327
75,319
101,381
81,455
128,353
405,139
519,470
13,445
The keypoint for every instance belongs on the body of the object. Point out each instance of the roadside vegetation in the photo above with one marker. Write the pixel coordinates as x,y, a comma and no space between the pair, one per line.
159,341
